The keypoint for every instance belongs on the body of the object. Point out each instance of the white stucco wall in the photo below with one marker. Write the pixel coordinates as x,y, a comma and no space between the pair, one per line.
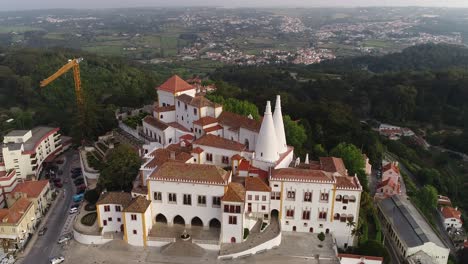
228,231
275,242
89,239
439,255
134,226
187,212
165,98
114,224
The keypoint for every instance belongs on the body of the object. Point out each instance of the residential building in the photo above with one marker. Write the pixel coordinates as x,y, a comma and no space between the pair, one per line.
110,208
8,182
17,223
451,217
38,192
25,151
408,232
391,170
137,219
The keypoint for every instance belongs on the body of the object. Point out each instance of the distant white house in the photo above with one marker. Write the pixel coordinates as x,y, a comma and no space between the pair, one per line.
359,259
451,217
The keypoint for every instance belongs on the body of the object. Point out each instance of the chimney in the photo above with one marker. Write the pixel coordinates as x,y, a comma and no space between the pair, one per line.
279,126
172,155
307,159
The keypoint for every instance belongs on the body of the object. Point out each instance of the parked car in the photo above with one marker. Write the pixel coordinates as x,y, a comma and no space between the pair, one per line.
57,180
42,231
57,260
64,238
73,210
58,184
78,197
76,175
80,191
78,181
75,205
75,170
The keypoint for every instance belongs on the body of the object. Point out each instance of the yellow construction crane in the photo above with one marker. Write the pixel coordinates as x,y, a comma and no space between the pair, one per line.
74,63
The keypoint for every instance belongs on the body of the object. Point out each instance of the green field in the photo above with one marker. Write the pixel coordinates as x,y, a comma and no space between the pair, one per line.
378,43
55,36
18,29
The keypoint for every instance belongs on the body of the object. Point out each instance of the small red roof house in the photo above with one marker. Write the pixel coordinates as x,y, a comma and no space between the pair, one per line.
174,85
451,217
391,170
387,188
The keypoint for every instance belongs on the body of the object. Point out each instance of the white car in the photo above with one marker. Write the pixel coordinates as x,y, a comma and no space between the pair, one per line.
64,239
73,210
57,260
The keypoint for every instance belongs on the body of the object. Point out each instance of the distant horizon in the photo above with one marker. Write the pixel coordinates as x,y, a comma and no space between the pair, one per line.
33,5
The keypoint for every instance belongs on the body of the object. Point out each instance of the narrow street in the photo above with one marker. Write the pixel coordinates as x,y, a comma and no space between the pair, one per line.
42,248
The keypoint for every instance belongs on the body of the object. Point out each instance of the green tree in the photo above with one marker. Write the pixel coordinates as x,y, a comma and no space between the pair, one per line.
120,170
351,155
372,248
92,196
295,134
426,199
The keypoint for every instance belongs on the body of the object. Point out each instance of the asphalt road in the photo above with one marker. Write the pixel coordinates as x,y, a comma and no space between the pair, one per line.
46,245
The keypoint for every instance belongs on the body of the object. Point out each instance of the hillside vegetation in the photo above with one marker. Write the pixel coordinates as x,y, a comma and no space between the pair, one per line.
107,83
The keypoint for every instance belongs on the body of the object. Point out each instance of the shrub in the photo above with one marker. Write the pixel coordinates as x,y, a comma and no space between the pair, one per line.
321,236
246,232
91,196
89,219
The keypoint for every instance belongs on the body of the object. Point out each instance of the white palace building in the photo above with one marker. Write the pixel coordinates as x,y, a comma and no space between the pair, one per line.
217,170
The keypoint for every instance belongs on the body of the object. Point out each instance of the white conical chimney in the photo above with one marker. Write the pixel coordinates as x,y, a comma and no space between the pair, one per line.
307,159
266,148
279,126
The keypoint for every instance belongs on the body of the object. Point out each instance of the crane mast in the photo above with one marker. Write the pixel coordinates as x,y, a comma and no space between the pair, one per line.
72,64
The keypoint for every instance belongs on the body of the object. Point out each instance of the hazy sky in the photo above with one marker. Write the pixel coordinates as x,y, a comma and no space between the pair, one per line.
43,4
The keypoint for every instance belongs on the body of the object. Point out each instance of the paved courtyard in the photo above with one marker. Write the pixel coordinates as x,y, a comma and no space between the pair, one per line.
196,232
295,248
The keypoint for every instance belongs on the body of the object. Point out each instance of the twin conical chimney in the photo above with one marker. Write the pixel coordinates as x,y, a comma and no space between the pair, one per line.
267,143
279,126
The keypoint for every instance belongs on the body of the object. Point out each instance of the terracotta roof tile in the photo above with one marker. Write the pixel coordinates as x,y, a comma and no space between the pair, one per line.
235,193
332,164
13,214
139,204
388,182
197,150
161,109
175,84
301,175
256,184
213,128
197,101
178,126
219,142
450,212
236,157
236,121
391,166
31,188
122,198
187,137
197,173
155,123
207,120
346,182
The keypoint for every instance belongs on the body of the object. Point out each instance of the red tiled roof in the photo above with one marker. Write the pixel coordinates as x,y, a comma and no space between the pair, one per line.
341,255
13,214
244,165
197,150
175,84
193,173
236,121
332,164
187,137
138,204
450,212
155,123
391,166
256,184
235,193
388,182
122,198
31,188
167,108
178,126
219,142
213,128
301,175
346,182
205,121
